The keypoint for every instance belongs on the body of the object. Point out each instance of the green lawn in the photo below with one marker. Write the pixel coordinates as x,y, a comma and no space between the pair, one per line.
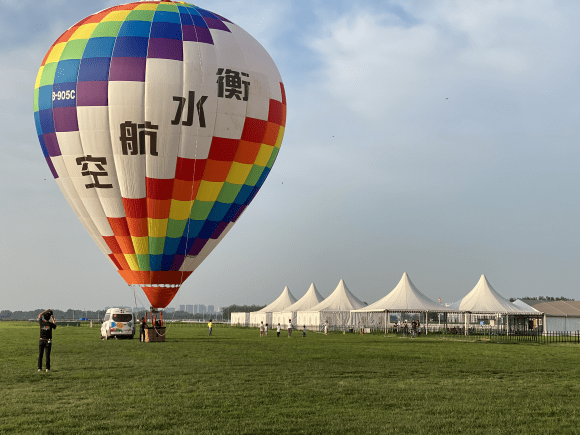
236,382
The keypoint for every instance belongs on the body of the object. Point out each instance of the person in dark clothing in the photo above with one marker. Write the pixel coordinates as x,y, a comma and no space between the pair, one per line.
142,326
47,324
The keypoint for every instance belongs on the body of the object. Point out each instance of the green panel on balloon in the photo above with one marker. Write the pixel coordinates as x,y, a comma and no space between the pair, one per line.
109,28
176,228
140,16
48,73
156,245
36,92
74,49
164,7
143,261
229,193
272,157
254,175
200,210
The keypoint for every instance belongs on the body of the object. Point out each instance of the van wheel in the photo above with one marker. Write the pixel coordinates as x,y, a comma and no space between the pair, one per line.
132,336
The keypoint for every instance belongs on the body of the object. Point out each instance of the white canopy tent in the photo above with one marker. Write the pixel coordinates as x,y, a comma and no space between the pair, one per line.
404,298
265,314
309,300
484,299
335,309
240,319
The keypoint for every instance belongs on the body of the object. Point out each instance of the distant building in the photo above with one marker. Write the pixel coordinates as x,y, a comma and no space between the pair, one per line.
202,309
195,309
182,308
170,310
189,309
210,309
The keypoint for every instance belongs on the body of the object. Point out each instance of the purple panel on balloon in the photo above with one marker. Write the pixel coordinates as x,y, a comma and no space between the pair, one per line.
197,246
127,69
214,23
177,262
220,229
51,167
92,93
162,48
51,143
65,118
197,34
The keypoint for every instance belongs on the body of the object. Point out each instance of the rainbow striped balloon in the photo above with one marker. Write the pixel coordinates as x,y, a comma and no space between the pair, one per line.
159,121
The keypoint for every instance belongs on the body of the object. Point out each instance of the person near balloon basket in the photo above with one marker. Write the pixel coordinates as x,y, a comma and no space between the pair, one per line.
47,324
142,326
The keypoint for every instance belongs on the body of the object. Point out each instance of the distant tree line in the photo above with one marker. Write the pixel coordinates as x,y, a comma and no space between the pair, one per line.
542,298
98,315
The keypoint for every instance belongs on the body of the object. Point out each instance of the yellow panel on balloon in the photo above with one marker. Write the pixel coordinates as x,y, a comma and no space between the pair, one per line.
157,227
116,16
37,82
84,32
54,55
209,190
263,155
238,173
280,137
180,209
141,245
132,261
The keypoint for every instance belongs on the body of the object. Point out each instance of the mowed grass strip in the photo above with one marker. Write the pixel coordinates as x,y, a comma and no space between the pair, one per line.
236,382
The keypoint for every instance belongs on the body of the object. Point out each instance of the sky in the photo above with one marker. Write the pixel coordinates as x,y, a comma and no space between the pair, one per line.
434,138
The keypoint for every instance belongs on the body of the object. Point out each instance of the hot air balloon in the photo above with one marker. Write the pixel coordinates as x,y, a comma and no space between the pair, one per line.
159,121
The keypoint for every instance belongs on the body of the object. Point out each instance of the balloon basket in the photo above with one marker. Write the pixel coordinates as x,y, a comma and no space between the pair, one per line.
155,333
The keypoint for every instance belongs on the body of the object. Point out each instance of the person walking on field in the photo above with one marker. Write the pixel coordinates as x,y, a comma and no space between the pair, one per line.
289,328
142,326
261,329
47,324
209,326
278,331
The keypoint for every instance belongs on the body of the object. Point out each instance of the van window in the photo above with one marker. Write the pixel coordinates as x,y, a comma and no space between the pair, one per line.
122,317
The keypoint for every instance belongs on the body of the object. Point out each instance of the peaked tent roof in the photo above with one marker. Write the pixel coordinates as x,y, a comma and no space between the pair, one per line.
341,299
310,299
284,300
405,297
484,299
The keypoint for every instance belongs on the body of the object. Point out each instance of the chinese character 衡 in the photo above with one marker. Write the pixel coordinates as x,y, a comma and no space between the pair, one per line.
231,83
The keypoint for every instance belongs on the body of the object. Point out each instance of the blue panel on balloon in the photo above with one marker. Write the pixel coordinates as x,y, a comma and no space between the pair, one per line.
45,97
166,17
166,30
186,18
37,125
131,46
94,69
232,212
46,121
135,28
171,245
218,211
66,71
42,144
243,194
208,229
99,47
155,262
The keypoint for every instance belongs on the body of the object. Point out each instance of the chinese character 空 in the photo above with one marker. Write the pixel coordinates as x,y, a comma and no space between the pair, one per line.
99,165
231,84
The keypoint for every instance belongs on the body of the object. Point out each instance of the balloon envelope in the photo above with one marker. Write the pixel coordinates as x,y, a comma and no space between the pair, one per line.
160,122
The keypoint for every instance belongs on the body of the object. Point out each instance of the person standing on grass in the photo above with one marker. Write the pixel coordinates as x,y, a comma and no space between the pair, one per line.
209,326
261,329
289,328
304,332
47,324
326,328
142,326
278,331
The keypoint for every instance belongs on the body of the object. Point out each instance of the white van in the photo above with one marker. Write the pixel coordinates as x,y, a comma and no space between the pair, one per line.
118,322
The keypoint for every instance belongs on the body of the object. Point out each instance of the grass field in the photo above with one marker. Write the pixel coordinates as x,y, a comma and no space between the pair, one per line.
236,382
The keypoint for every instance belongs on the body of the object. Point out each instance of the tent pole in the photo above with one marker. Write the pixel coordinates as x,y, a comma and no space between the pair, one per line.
426,323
